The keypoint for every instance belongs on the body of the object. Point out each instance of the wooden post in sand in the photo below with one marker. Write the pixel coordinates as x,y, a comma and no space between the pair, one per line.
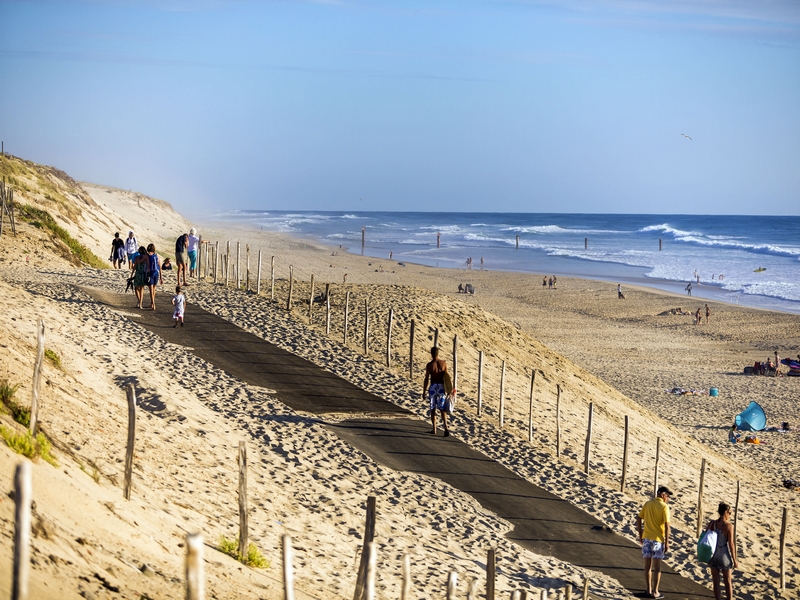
242,460
22,530
291,289
37,376
480,382
131,394
502,394
405,590
784,520
216,261
530,407
624,457
455,362
288,571
227,264
195,577
272,280
436,338
452,584
238,265
389,338
655,470
372,570
327,309
472,592
346,315
247,267
411,350
258,274
369,537
558,421
736,511
700,498
588,447
491,574
366,327
586,589
311,300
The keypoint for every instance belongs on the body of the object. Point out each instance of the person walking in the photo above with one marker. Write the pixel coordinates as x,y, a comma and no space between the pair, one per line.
192,247
723,562
117,251
652,523
139,264
620,295
181,256
179,302
131,248
153,273
434,374
708,313
689,288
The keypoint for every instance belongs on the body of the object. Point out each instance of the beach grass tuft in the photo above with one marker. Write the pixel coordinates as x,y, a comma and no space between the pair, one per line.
21,414
29,446
43,220
254,558
53,357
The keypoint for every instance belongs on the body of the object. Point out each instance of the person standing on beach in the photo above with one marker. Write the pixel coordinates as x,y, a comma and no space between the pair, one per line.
689,288
192,246
708,313
697,317
131,248
117,251
544,281
434,374
723,562
620,295
181,256
153,273
652,523
777,365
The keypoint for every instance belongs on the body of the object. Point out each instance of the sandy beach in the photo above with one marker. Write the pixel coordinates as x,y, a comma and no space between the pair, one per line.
621,355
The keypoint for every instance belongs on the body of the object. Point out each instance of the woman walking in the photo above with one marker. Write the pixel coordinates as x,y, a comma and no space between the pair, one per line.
724,560
153,273
139,264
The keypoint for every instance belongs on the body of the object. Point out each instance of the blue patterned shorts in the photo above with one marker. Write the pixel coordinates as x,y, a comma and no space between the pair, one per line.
652,549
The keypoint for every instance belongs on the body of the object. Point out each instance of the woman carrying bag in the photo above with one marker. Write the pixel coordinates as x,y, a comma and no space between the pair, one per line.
724,559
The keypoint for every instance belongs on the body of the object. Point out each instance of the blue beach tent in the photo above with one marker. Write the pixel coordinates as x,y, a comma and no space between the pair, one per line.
751,418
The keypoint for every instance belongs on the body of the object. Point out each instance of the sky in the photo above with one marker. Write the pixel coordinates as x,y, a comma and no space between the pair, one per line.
514,106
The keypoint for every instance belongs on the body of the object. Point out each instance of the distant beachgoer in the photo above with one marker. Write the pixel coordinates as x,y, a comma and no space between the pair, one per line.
434,374
460,288
723,562
697,317
179,302
194,243
689,288
652,523
733,434
181,256
620,295
166,265
550,283
153,273
131,248
721,277
344,278
544,281
140,273
555,280
708,313
481,263
117,251
390,255
777,364
698,279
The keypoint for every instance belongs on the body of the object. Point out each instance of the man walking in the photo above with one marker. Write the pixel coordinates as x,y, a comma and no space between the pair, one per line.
689,288
652,523
434,374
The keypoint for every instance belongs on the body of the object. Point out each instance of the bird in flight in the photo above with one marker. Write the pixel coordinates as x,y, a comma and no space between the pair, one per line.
686,136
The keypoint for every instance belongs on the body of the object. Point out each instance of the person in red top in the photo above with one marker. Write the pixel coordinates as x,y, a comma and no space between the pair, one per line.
434,374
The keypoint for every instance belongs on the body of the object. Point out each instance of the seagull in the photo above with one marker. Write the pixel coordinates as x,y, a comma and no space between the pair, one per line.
686,136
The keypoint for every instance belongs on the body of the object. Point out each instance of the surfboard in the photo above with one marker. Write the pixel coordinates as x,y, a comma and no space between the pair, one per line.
448,384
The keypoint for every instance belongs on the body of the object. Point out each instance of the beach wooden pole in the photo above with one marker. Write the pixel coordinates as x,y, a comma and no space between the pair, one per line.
327,309
586,589
258,274
491,574
472,592
405,590
411,349
480,382
37,376
784,520
195,577
238,265
530,407
558,421
216,261
369,537
247,267
10,207
346,315
455,364
624,457
272,280
131,394
243,527
655,469
588,446
736,510
389,338
452,584
502,394
227,263
288,572
311,301
23,494
366,326
436,338
568,592
372,569
291,289
700,498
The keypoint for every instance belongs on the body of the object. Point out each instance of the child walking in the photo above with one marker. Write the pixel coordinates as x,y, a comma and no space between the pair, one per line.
179,301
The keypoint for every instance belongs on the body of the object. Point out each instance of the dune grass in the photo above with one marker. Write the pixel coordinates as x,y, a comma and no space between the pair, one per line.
254,558
27,445
42,219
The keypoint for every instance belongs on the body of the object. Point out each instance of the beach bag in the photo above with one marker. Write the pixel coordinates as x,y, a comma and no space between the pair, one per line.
450,403
706,545
152,264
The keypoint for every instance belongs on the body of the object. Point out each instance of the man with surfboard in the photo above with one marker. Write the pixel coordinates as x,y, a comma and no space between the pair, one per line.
441,386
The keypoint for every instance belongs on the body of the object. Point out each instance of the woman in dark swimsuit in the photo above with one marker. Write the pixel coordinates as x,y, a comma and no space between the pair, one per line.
724,560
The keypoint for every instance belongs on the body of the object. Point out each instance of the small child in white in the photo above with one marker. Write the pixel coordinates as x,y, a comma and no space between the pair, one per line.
179,301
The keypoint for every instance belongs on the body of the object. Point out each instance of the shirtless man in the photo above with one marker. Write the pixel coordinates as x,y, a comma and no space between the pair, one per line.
708,313
434,374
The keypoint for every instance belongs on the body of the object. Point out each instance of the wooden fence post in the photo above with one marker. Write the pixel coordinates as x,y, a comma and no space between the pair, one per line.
436,338
216,261
247,267
558,421
311,300
288,573
736,512
502,394
586,589
372,568
700,498
291,289
346,315
389,339
227,264
366,327
327,309
272,280
243,527
369,537
455,364
530,407
22,530
411,350
452,584
258,274
37,376
491,573
568,592
405,591
195,578
480,382
784,520
131,394
655,471
624,458
238,265
472,592
588,447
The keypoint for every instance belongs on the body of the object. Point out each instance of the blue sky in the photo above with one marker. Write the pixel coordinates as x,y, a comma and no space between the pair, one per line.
539,106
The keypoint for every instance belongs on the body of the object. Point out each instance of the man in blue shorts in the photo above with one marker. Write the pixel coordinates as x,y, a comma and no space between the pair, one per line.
652,523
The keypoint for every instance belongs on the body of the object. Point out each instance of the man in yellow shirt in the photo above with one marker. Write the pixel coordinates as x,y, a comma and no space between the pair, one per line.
654,537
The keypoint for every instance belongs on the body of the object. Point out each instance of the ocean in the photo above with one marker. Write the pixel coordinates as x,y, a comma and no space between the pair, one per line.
745,260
